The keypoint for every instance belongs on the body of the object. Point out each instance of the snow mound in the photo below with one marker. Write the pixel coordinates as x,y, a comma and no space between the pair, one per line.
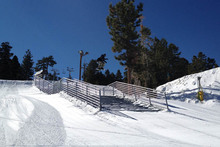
186,88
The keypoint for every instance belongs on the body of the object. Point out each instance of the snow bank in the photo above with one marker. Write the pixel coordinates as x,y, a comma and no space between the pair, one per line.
187,87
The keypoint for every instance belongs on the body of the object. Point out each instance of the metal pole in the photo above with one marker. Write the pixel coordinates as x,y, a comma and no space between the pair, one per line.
113,91
80,66
103,91
100,104
53,87
166,101
67,85
61,86
43,85
39,83
76,89
150,101
48,88
134,91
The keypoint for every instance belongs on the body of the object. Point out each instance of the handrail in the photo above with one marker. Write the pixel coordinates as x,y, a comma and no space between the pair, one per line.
139,93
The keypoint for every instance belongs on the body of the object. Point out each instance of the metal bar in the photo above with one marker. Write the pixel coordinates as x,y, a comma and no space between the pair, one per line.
166,101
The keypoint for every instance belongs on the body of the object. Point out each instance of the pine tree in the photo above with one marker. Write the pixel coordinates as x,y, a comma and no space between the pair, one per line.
27,66
118,76
122,21
5,60
163,57
90,73
107,77
201,63
141,72
16,71
44,64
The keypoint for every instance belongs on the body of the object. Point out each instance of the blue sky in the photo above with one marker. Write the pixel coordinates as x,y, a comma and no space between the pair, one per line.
63,27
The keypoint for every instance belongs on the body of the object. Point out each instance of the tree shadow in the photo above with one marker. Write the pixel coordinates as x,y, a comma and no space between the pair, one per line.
116,106
182,96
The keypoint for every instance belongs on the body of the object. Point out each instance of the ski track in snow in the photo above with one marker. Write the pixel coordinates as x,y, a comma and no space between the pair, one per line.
42,127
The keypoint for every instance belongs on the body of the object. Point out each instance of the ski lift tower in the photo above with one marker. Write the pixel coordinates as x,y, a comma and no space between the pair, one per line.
200,92
70,70
55,73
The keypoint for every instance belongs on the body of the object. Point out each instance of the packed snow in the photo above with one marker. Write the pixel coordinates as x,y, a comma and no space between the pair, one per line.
31,117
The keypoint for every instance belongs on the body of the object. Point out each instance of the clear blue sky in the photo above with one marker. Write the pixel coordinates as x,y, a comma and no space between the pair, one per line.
63,27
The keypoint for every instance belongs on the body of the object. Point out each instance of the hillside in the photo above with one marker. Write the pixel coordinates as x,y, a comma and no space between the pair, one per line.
186,88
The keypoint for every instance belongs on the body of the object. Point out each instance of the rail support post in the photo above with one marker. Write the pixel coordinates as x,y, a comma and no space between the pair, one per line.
113,91
67,86
166,101
100,104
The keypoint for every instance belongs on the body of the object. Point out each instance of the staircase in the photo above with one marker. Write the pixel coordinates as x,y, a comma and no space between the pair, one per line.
120,104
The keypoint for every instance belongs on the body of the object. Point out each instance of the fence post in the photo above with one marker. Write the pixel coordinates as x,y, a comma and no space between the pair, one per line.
150,101
53,87
100,104
48,88
134,90
148,95
86,90
76,89
103,91
39,82
35,81
67,86
113,91
166,100
60,85
43,85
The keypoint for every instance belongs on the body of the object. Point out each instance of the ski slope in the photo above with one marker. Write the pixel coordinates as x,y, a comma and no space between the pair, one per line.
30,117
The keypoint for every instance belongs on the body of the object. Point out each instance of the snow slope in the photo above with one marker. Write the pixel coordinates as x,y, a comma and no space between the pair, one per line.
187,87
30,117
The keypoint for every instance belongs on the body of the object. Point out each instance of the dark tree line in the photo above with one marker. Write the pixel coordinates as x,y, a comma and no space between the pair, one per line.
10,68
93,72
148,61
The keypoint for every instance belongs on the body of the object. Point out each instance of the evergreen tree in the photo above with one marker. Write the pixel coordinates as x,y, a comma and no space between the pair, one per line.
141,72
27,66
179,68
5,60
16,71
211,63
201,63
44,64
122,21
118,76
90,73
107,77
162,63
112,78
101,62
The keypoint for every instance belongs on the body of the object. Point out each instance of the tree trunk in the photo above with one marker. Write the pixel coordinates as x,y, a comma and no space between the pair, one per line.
129,75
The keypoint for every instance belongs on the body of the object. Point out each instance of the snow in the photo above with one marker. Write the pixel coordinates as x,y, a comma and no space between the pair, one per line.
31,117
187,87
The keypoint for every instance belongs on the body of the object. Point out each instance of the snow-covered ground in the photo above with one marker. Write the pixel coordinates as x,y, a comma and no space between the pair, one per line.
30,117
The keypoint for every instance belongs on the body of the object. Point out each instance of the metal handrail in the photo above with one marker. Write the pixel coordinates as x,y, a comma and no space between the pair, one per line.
139,93
92,93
